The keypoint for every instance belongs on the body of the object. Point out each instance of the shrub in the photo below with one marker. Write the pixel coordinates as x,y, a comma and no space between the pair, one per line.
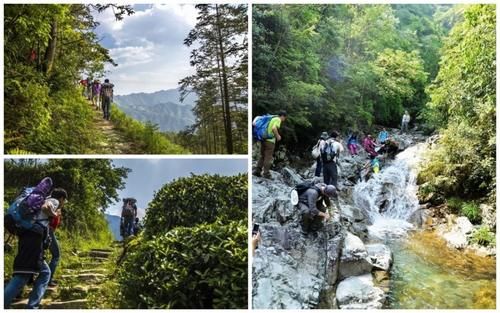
455,204
189,201
483,236
472,212
199,267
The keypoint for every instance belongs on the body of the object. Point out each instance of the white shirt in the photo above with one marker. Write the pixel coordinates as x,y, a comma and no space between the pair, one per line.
51,205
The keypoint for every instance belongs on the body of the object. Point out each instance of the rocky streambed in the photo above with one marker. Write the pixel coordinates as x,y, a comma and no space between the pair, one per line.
366,257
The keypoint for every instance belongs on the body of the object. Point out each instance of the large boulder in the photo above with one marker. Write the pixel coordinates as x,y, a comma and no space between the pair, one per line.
358,292
354,259
457,236
380,256
488,216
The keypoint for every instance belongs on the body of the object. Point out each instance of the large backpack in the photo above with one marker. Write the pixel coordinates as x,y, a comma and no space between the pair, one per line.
107,90
21,214
260,125
328,151
128,209
299,190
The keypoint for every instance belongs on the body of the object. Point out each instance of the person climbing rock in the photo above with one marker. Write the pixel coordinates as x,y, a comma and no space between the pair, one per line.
313,206
54,249
129,214
382,136
106,97
404,122
369,145
330,152
390,148
96,92
317,152
352,144
29,260
89,88
267,146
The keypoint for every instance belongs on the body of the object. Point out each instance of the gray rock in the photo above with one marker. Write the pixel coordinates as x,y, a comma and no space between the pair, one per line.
488,214
290,177
380,256
358,292
354,259
457,236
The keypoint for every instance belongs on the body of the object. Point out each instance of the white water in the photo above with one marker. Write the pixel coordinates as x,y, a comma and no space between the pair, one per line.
389,198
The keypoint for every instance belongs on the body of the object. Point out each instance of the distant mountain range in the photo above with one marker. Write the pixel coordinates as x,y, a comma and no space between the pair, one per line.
162,108
114,225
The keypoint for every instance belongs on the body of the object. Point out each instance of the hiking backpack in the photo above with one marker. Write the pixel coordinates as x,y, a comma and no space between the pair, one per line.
22,212
299,189
328,151
107,90
128,207
259,127
316,151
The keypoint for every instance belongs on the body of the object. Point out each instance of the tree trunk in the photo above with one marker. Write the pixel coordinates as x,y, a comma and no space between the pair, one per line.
50,53
228,126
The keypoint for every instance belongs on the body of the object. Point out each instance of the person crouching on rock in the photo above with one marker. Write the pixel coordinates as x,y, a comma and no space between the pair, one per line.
313,206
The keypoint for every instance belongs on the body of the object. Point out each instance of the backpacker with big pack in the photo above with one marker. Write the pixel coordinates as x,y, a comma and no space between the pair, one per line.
260,125
21,214
328,151
299,189
107,90
128,207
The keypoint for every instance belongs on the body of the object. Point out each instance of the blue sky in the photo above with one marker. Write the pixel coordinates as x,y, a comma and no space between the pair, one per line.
148,46
149,175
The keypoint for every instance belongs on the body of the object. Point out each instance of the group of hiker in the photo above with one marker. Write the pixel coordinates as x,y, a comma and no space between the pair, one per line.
101,95
313,200
34,217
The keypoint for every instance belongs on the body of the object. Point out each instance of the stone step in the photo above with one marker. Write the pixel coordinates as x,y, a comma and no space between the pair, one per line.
87,277
103,250
86,270
96,254
22,303
77,292
72,304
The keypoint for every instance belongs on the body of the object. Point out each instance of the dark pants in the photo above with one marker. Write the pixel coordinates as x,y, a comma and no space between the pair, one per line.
128,226
266,157
319,166
308,222
330,173
17,283
106,103
55,252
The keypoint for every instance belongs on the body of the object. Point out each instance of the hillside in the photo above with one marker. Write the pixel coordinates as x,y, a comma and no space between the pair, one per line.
162,108
114,225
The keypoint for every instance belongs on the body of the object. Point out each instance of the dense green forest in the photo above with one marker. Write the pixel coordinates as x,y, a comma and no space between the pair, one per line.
220,57
49,48
353,67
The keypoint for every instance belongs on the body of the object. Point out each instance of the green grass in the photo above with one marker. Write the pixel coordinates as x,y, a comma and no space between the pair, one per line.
483,237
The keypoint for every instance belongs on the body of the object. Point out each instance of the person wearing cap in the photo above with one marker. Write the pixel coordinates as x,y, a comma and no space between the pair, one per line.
267,146
319,144
313,205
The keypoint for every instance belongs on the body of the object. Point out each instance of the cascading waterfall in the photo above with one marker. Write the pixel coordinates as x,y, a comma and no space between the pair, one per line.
389,198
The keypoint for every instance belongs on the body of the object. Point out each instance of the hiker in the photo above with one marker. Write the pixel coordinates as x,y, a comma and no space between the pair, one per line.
89,88
330,152
317,153
129,214
372,166
382,136
352,144
313,206
137,226
390,148
404,122
369,145
96,91
106,96
29,260
83,83
255,241
54,249
268,144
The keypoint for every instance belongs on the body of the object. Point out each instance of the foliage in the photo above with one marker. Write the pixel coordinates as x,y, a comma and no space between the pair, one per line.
201,267
483,236
341,66
220,58
472,212
462,104
91,184
197,199
455,204
145,135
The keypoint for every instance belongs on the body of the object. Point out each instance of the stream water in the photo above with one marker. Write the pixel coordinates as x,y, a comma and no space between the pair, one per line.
426,273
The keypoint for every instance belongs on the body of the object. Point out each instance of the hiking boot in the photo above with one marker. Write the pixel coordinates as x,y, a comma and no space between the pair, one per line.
52,283
256,173
267,175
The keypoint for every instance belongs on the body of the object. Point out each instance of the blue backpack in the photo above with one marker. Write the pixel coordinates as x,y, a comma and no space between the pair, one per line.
22,212
259,127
